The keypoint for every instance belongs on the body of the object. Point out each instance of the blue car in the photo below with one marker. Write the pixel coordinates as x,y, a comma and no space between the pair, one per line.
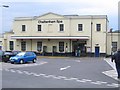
24,57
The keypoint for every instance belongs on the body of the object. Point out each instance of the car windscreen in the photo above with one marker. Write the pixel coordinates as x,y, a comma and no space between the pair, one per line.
15,52
7,53
21,54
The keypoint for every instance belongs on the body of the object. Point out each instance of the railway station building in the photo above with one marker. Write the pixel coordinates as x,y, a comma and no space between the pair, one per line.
58,35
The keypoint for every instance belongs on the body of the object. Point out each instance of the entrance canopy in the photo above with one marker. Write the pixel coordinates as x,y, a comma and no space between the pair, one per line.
51,37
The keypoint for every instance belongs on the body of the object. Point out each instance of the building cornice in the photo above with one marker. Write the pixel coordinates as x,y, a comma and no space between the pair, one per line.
63,17
51,37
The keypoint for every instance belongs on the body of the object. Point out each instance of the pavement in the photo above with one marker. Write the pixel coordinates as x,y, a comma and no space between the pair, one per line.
111,73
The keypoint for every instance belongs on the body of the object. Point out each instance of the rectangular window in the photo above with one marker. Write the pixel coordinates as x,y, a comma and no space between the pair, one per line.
39,28
23,28
80,27
23,46
11,44
98,27
114,46
61,27
39,46
61,46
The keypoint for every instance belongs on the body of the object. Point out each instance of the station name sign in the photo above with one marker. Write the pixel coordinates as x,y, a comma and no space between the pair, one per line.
50,21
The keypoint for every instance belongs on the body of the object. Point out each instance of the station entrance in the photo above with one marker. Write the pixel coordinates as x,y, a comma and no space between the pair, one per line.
79,48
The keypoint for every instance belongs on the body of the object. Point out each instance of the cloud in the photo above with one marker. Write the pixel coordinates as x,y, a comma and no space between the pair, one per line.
81,7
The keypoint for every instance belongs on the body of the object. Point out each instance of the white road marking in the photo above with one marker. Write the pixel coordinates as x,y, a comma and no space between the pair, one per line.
67,79
74,78
7,69
35,64
49,76
77,60
101,82
43,63
65,68
87,80
56,77
8,65
30,73
81,81
96,83
61,77
20,72
64,78
42,74
113,85
111,73
37,75
112,64
26,72
12,70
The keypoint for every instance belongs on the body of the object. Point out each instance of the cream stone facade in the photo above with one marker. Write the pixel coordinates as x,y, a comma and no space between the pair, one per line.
1,40
113,42
53,34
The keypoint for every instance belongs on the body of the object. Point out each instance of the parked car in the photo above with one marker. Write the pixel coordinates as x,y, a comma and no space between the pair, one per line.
15,52
6,55
24,57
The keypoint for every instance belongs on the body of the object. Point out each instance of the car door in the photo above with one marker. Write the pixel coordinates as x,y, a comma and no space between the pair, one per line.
31,56
27,57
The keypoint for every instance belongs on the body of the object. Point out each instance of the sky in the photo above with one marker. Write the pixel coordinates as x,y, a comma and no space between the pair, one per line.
26,8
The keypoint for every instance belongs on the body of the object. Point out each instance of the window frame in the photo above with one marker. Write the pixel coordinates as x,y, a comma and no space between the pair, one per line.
98,27
39,28
39,43
23,45
61,27
23,28
11,45
80,27
114,46
61,46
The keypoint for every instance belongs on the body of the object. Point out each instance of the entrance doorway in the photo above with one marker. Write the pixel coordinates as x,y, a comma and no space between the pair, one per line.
79,45
97,51
44,48
54,50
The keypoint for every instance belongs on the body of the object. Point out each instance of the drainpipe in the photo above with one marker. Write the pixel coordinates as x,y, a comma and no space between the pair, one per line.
31,44
91,33
106,34
111,40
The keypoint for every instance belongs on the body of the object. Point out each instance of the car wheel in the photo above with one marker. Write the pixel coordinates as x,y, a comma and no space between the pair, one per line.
5,61
21,62
34,60
12,62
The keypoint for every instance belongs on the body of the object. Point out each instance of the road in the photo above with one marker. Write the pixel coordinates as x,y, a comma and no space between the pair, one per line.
59,73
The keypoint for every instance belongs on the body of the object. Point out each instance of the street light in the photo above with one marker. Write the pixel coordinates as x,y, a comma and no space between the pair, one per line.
6,6
1,7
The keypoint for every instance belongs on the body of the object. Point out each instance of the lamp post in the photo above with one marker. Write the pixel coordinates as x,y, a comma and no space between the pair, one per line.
3,6
2,42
